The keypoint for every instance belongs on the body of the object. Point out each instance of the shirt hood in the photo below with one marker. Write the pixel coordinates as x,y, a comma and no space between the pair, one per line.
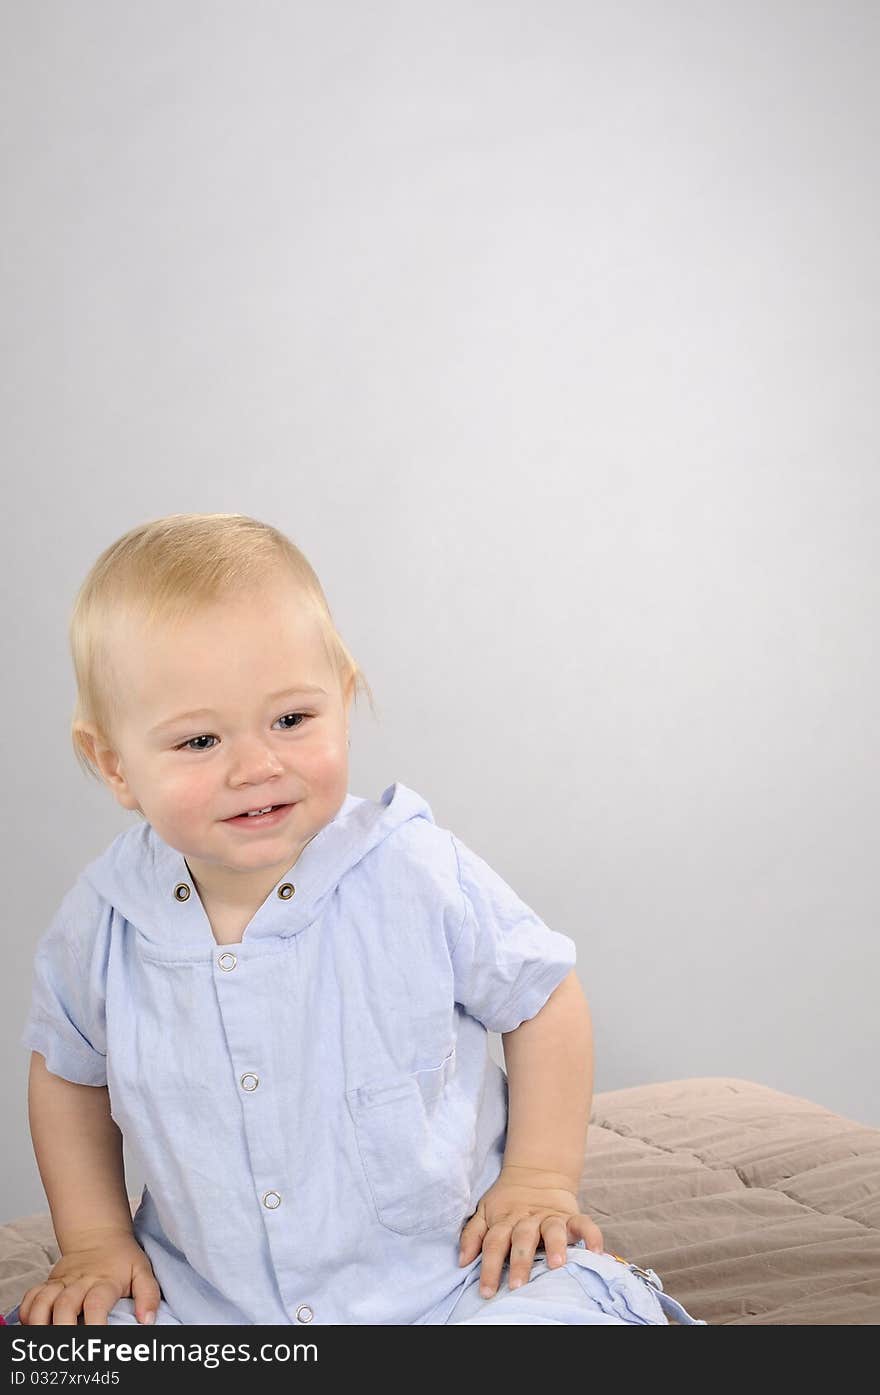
149,883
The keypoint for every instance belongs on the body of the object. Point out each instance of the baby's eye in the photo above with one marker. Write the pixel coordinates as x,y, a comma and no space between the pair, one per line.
191,746
303,715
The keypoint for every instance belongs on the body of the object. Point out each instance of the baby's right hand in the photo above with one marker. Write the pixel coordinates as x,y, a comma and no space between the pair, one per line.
102,1267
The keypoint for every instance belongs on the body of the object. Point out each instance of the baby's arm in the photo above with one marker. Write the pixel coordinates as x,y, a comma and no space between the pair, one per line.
549,1060
79,1154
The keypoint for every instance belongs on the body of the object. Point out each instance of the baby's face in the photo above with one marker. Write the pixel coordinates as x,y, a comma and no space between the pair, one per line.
265,740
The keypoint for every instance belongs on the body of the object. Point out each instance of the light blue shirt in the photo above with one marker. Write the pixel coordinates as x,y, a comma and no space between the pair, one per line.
314,1111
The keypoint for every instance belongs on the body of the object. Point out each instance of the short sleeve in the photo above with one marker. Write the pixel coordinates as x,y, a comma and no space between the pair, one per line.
66,1020
506,962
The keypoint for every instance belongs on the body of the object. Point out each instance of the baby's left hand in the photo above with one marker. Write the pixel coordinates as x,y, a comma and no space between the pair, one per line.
521,1208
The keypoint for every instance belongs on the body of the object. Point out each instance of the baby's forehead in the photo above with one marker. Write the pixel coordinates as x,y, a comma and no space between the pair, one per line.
290,617
142,657
275,620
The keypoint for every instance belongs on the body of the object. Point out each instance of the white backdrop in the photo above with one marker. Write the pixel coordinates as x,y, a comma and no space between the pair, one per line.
549,332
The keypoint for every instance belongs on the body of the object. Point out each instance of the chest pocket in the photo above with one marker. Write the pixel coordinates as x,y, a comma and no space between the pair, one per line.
415,1137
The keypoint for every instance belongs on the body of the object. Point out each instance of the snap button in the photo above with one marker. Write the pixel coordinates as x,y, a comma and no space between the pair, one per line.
250,1081
271,1200
227,961
181,892
304,1313
286,890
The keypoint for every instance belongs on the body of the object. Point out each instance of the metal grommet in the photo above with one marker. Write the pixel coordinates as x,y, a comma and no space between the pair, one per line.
181,892
286,890
227,961
250,1081
304,1313
271,1200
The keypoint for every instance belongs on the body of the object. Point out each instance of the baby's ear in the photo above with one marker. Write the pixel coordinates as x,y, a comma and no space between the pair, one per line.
105,760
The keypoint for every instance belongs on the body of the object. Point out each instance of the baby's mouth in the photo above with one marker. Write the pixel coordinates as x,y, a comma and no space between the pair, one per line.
258,816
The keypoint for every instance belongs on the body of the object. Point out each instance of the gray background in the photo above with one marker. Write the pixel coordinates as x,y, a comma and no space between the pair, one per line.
549,332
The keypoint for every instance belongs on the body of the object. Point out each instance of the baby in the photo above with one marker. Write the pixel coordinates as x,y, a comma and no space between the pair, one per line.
279,994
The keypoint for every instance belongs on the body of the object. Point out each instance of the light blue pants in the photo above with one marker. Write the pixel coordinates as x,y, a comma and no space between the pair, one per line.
594,1289
589,1288
121,1313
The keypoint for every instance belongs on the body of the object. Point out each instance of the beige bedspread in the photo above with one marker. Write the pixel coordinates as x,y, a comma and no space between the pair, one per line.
753,1206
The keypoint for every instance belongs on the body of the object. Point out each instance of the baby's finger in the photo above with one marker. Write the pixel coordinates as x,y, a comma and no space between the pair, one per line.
555,1233
495,1250
98,1301
36,1306
582,1227
472,1238
146,1294
68,1304
523,1244
25,1302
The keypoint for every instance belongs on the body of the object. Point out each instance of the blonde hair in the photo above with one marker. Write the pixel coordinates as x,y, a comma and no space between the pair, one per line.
164,571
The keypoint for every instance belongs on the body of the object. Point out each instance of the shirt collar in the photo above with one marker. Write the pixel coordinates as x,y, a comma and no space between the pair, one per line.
149,883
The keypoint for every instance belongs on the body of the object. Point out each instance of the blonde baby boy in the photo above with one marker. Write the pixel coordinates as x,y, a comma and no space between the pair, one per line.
279,994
